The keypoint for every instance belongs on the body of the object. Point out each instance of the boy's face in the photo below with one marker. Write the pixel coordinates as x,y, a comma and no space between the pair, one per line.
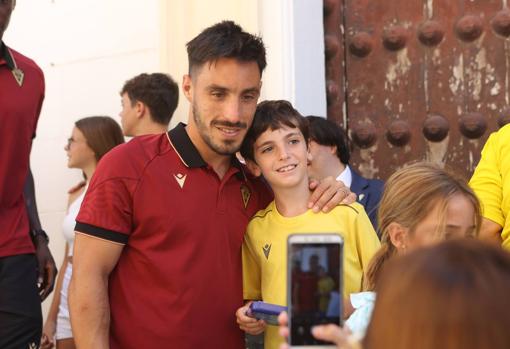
281,156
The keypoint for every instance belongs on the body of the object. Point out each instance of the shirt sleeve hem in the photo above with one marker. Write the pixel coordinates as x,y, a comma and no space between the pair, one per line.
102,233
496,218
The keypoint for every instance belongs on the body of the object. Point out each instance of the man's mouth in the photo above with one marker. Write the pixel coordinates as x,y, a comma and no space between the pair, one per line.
229,131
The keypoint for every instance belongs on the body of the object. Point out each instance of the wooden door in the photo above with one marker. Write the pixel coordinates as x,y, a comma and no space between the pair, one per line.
417,80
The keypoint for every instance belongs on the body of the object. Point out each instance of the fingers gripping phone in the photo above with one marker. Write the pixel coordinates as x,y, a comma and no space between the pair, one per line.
314,286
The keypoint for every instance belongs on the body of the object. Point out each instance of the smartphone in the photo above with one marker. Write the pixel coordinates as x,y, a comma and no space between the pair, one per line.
314,286
266,311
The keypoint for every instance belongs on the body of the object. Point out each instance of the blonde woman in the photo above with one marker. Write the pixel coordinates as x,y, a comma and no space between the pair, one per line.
91,138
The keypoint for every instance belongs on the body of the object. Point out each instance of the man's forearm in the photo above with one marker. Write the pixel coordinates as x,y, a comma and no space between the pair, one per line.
30,203
90,311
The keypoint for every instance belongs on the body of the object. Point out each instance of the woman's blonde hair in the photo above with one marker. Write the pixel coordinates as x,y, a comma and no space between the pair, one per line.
409,195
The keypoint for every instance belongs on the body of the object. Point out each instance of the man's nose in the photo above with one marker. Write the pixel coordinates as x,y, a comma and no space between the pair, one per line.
233,112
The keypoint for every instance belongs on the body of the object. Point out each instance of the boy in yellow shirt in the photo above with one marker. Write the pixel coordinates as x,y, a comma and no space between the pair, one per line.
276,146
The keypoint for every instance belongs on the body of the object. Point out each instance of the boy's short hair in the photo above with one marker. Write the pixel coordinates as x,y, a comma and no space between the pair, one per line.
328,133
158,91
225,40
272,115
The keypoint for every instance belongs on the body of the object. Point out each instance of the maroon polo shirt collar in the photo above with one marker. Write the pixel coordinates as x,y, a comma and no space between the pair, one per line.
189,154
5,57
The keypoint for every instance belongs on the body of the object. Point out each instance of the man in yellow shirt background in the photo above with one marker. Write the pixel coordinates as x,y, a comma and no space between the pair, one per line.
491,183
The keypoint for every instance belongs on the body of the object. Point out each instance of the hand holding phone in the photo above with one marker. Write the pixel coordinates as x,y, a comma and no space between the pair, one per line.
247,323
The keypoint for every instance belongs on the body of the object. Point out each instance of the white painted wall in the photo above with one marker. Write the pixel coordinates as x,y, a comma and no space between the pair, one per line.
87,49
294,35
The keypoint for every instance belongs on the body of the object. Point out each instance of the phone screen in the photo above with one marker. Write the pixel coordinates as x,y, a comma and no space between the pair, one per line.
315,275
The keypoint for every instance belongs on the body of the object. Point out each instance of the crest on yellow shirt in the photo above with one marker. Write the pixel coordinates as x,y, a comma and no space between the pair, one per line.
245,194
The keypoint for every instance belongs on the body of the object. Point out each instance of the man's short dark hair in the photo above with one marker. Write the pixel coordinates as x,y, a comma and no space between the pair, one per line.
225,40
157,91
272,115
328,133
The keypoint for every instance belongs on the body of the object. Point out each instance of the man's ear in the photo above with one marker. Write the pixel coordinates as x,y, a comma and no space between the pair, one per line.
398,236
253,167
309,156
187,87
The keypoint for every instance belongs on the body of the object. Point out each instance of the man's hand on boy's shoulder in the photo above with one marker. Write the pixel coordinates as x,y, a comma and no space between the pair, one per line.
327,193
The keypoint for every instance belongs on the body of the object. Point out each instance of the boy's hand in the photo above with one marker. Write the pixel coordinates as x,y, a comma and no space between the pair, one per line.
248,324
328,193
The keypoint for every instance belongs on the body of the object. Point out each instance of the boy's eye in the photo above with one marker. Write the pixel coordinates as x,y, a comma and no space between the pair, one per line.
294,141
266,150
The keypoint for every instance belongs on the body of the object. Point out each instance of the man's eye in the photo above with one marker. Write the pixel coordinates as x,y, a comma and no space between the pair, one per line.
218,94
248,98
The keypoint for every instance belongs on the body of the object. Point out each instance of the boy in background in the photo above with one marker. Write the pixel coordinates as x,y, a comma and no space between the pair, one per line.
276,147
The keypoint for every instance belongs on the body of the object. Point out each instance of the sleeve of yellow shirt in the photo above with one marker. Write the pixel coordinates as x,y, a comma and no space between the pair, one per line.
251,271
487,181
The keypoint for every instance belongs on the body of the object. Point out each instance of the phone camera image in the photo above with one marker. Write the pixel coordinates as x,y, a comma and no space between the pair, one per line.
315,275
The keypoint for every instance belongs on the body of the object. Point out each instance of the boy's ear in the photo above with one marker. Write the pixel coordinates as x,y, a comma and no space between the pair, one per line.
140,109
333,149
309,156
398,236
253,167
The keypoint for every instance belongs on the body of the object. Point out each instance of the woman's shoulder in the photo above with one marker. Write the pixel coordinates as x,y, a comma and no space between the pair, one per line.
75,191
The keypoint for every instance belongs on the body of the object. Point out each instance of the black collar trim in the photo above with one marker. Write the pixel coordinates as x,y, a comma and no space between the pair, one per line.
188,153
184,147
6,55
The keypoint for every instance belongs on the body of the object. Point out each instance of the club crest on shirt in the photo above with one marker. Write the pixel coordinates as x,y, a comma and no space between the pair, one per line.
245,194
18,75
180,178
266,249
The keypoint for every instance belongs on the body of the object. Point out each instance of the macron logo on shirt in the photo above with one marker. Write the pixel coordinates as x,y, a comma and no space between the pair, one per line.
180,178
266,249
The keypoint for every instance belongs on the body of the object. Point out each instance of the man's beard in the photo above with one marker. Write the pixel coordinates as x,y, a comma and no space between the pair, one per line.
227,147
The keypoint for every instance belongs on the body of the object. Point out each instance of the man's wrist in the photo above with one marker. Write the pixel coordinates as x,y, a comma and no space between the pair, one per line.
39,235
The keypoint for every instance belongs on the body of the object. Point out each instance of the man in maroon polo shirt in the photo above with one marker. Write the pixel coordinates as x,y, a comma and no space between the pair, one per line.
21,96
157,259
